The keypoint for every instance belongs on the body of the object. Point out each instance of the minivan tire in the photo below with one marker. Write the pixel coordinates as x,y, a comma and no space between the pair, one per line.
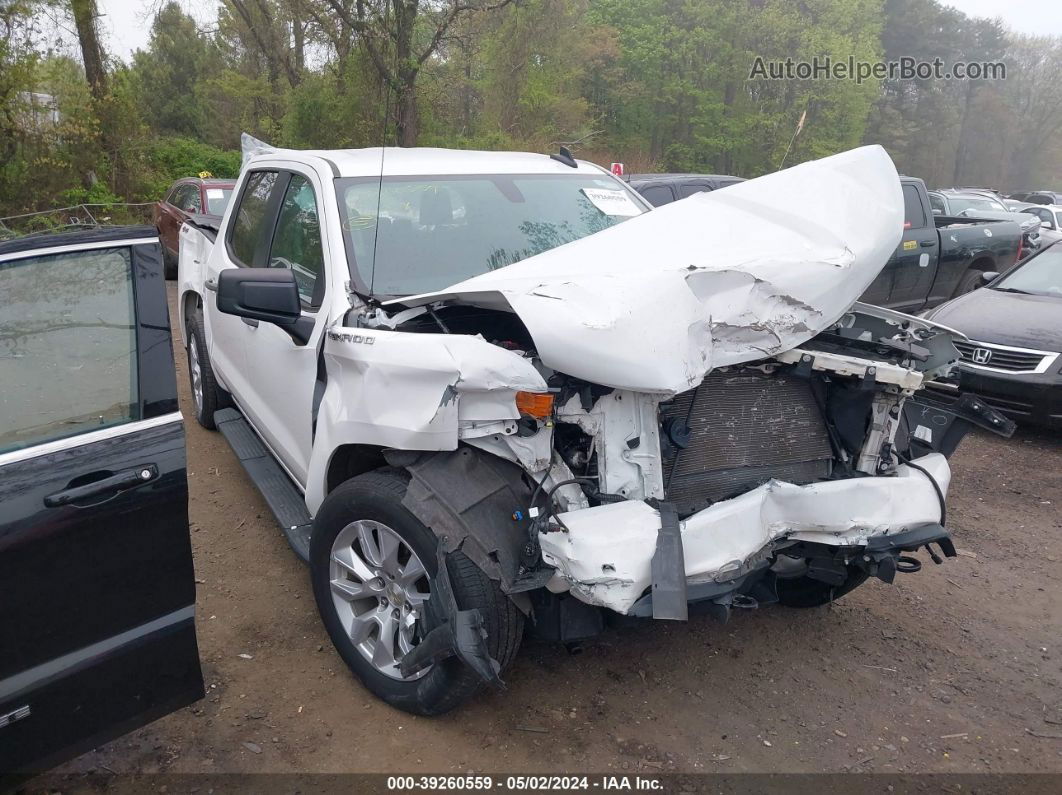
377,497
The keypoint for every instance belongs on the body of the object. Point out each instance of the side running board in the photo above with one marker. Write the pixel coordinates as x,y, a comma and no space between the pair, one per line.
283,498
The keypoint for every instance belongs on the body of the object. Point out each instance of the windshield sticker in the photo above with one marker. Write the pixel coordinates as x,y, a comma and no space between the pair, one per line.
215,193
612,202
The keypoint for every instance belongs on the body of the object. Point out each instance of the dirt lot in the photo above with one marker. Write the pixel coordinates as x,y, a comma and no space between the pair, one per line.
957,668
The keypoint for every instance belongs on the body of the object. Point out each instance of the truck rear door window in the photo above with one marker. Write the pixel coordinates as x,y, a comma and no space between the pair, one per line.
914,217
68,361
250,221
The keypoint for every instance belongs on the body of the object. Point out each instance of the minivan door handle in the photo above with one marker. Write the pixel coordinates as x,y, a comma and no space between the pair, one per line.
117,482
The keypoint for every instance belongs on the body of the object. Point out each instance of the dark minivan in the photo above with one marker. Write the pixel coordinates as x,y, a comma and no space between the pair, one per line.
97,592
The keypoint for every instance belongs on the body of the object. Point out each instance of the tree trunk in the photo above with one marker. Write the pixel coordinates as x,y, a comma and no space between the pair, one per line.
962,154
299,35
85,14
406,111
407,114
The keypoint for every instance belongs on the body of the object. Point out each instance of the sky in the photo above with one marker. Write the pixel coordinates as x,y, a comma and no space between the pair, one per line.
1039,17
126,23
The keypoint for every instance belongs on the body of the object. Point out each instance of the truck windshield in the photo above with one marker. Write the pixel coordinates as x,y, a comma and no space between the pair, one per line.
419,234
1040,275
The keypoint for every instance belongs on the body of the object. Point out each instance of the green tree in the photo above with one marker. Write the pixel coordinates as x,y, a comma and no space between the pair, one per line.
168,73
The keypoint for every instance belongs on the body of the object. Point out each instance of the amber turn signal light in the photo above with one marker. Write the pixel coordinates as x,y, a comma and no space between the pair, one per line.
534,404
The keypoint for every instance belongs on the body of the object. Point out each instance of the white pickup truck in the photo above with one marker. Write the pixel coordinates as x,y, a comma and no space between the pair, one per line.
481,389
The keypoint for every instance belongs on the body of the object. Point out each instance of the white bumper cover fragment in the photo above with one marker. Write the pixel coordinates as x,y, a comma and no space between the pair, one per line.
605,557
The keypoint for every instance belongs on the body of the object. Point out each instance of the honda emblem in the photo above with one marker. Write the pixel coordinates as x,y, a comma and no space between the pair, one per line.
981,356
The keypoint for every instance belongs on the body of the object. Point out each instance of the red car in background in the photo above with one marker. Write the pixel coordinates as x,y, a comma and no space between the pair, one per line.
189,196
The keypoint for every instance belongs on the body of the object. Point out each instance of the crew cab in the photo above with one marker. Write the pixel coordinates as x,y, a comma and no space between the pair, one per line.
940,257
483,391
97,592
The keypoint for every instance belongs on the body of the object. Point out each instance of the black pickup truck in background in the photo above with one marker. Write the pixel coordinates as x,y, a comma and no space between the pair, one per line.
940,257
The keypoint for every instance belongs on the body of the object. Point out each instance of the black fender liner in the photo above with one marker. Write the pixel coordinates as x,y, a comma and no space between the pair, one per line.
474,502
458,633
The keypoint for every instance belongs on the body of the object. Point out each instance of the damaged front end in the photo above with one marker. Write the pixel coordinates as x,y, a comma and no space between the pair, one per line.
795,468
638,426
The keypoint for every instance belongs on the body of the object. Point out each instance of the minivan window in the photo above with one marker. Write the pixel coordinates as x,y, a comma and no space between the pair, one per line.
690,189
658,195
248,225
67,346
411,235
297,241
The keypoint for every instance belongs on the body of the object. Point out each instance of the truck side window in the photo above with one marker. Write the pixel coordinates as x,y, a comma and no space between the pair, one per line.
67,346
914,217
935,202
249,222
297,240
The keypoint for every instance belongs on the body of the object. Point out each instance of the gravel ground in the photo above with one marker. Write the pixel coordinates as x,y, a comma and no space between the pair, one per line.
954,669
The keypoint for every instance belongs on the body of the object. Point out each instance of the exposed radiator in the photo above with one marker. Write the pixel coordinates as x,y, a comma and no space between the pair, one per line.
746,427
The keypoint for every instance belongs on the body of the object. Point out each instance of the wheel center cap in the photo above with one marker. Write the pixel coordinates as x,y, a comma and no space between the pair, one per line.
395,594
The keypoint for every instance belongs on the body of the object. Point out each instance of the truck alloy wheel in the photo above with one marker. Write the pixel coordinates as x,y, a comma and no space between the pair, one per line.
195,372
372,564
379,590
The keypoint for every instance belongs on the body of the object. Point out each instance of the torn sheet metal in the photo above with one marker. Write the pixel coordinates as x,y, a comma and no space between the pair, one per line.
414,392
606,557
653,304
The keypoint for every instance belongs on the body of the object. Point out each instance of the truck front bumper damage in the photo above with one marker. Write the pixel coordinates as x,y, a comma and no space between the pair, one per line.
606,556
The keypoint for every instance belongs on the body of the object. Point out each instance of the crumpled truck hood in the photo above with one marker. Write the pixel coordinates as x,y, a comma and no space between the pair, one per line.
655,303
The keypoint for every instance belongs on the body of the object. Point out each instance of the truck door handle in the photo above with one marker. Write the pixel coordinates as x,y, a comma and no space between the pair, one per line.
250,321
928,243
114,483
211,285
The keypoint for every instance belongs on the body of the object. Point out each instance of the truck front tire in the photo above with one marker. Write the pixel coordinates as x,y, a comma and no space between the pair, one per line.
371,563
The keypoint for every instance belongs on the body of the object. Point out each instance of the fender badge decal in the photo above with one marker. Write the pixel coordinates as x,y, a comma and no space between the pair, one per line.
343,336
